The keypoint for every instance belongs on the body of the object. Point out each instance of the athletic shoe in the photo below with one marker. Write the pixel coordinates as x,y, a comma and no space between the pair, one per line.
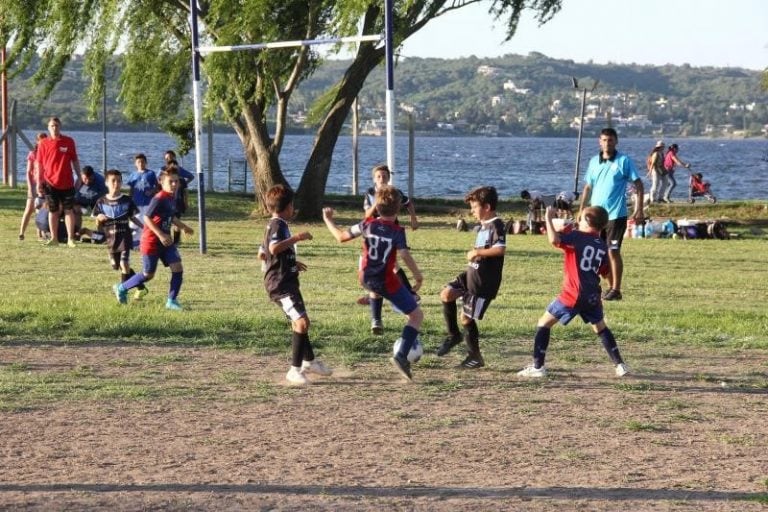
121,293
296,377
472,362
533,372
173,305
448,343
612,294
316,367
140,293
71,243
403,366
622,370
377,327
51,243
21,238
364,300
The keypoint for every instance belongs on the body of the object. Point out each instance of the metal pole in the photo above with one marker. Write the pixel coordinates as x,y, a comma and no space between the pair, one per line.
198,129
13,131
210,155
4,88
411,146
390,94
104,123
355,148
578,145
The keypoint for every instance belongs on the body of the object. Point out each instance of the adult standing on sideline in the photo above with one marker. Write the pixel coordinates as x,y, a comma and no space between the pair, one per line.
57,166
608,176
655,163
670,162
29,208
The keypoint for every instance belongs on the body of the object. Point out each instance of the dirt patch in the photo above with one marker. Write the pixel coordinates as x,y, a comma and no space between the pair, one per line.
152,428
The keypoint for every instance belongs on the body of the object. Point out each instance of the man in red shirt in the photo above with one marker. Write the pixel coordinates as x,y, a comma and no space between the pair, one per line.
56,161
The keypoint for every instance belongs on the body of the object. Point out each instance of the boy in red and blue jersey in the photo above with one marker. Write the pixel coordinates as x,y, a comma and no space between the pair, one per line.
586,259
383,239
157,243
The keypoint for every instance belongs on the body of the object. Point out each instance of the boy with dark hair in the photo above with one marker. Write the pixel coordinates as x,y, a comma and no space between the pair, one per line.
478,285
383,238
157,242
586,259
114,212
142,182
281,280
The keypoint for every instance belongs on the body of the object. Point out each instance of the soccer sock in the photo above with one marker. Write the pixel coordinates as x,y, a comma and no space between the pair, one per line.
609,343
472,338
176,279
376,305
449,315
297,348
307,353
134,281
409,338
401,274
540,344
130,274
125,277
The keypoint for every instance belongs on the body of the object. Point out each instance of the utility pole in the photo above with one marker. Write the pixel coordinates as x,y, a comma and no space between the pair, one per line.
581,129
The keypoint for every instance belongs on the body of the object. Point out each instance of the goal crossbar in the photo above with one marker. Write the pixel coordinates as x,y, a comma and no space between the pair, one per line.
288,44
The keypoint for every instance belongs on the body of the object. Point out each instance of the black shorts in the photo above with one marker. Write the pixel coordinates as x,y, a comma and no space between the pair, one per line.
473,306
291,302
613,234
57,199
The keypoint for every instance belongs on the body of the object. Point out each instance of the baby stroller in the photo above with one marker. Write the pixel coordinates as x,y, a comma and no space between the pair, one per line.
697,187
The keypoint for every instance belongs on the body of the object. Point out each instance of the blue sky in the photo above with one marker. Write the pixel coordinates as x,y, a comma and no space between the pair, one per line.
716,33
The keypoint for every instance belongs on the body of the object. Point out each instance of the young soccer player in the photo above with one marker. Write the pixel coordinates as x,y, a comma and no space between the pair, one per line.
281,279
478,285
157,242
381,177
113,213
383,240
586,259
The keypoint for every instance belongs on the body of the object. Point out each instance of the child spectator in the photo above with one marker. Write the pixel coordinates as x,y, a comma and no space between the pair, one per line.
478,285
281,280
157,242
383,239
697,187
29,207
143,183
182,195
89,187
114,213
381,177
536,204
586,259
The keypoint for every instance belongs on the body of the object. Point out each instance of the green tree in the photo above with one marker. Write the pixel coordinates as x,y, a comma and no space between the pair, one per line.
251,89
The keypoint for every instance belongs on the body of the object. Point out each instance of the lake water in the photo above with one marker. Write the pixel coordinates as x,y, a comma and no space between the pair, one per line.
449,166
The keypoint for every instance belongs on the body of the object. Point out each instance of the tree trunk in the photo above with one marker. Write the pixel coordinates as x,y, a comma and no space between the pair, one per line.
311,191
265,169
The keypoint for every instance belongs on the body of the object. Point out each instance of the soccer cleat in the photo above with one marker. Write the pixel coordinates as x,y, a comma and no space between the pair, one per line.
622,370
377,327
448,343
71,243
140,293
51,243
173,305
472,362
532,372
296,377
403,366
120,293
316,367
21,237
612,294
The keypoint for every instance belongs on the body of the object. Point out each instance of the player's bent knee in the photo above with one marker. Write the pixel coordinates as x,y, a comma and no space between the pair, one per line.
301,324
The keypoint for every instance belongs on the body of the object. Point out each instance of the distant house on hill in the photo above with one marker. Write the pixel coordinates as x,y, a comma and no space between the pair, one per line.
488,70
509,85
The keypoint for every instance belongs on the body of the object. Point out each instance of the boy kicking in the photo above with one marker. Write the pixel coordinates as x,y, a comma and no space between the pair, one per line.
157,242
586,259
114,212
281,279
383,239
478,285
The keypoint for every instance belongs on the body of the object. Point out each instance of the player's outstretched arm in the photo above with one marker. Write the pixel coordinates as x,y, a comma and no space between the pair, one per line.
552,233
338,234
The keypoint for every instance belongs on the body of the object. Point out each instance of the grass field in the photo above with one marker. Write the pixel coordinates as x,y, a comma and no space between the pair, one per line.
204,387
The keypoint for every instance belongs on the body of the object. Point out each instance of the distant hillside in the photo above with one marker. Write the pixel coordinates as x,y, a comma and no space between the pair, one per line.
509,95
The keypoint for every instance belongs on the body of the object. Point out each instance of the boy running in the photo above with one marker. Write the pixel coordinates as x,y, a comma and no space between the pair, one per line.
281,279
157,242
114,213
586,259
383,238
478,285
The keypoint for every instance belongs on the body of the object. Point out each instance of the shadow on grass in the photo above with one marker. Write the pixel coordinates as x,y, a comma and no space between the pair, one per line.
562,493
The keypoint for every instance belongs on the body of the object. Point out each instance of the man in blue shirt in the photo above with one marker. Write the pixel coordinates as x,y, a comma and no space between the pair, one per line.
608,176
